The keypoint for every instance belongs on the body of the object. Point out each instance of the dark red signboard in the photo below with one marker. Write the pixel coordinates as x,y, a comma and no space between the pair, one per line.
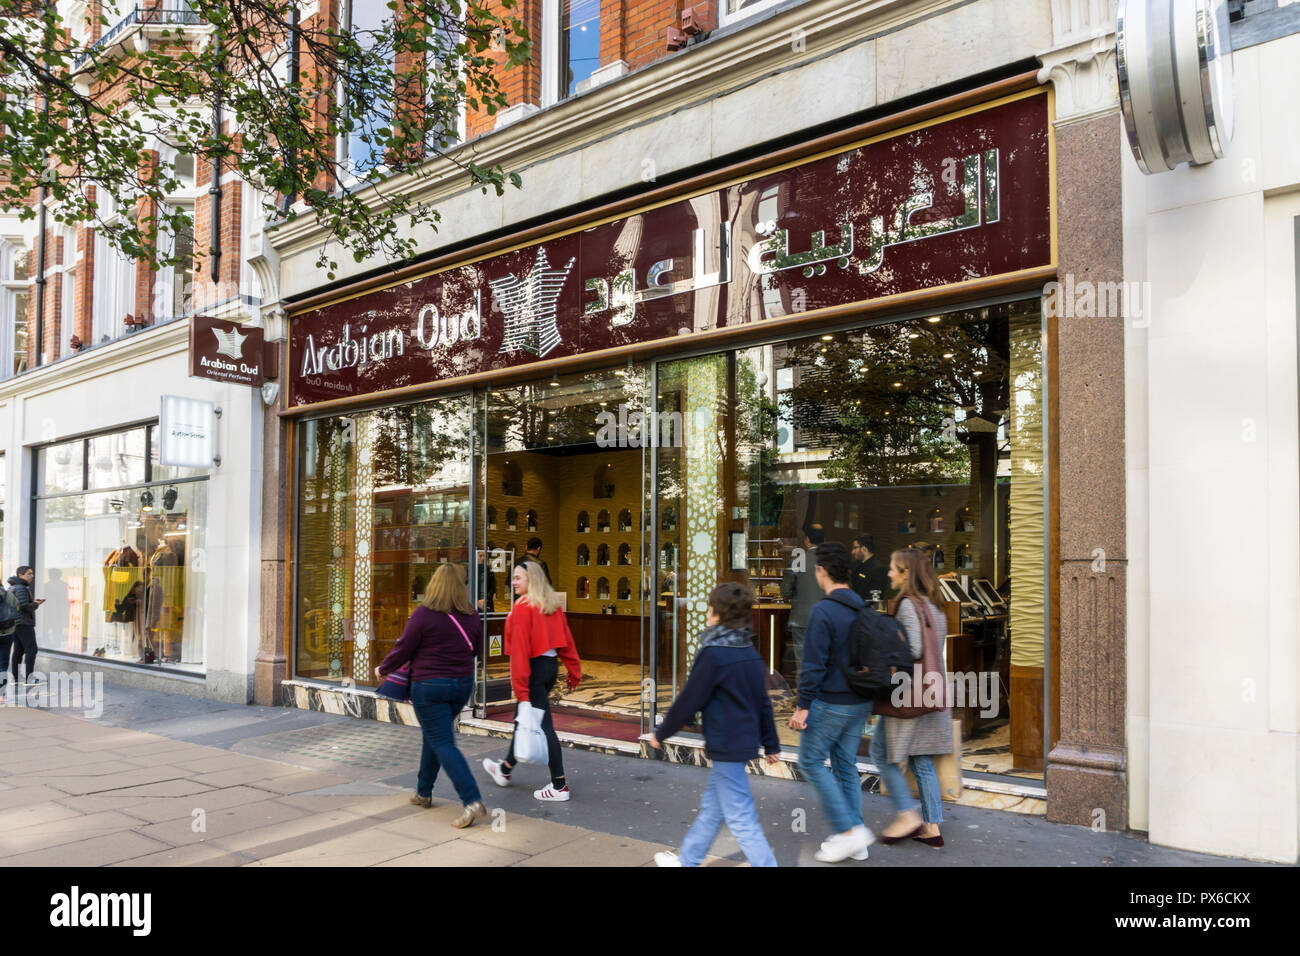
959,199
226,351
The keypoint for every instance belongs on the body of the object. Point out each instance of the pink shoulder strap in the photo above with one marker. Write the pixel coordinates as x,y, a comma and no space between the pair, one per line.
462,630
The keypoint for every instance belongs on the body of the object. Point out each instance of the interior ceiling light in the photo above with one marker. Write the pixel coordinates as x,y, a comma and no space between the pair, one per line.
898,385
169,498
913,335
947,355
146,500
827,338
933,318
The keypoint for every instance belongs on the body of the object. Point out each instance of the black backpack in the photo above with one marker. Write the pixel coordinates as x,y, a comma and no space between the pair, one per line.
10,615
877,648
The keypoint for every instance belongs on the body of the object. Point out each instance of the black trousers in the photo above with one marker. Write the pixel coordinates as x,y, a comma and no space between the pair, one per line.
24,644
542,675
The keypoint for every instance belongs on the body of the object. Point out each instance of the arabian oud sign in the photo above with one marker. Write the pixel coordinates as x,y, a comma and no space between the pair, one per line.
227,352
960,198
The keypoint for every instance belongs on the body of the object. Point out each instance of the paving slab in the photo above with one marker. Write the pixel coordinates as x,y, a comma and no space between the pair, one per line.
597,849
365,848
197,854
458,853
33,814
97,851
215,823
22,796
162,809
520,834
282,838
66,830
261,772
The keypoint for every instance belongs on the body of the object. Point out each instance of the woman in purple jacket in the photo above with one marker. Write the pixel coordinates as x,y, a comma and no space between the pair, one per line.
439,642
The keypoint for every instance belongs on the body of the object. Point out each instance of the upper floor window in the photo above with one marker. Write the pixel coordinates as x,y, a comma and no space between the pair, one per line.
579,46
733,10
360,153
14,292
114,296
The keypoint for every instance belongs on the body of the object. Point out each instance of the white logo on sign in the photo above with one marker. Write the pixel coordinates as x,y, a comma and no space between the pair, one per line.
230,344
530,307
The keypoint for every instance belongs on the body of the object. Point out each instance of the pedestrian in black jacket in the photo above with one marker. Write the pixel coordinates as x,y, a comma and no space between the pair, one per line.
25,633
728,683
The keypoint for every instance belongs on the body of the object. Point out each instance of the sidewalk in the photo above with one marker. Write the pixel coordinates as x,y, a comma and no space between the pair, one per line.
170,780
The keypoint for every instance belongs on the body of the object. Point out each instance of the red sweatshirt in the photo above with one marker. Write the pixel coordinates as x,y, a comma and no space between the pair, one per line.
530,634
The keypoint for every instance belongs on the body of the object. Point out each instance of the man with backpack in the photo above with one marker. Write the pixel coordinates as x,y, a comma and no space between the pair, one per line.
20,592
829,712
10,617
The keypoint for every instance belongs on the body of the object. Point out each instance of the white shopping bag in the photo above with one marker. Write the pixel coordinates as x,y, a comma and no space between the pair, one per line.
530,741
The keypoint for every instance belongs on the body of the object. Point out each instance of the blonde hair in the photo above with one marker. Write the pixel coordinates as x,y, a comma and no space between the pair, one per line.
540,593
921,579
446,590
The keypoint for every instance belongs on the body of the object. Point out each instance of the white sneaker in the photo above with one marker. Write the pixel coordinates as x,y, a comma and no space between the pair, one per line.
842,846
667,858
493,768
549,793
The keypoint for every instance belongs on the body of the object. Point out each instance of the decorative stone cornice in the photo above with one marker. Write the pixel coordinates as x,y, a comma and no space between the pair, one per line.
1081,64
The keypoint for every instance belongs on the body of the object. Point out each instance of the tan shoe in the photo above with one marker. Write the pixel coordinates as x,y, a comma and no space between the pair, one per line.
471,812
420,801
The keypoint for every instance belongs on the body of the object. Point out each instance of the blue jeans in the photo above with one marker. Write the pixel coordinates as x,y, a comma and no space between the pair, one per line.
436,703
835,730
727,797
900,794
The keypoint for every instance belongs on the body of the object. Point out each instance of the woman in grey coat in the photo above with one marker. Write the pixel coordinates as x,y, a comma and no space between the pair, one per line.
915,740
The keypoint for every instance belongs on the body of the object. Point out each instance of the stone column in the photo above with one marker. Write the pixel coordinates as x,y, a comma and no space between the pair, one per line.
271,666
1086,765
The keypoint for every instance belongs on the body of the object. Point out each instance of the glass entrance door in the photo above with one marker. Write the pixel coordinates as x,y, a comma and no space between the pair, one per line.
562,476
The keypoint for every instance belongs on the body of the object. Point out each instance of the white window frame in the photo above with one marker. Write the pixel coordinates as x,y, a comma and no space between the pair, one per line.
114,285
461,122
165,277
68,293
726,19
10,288
550,52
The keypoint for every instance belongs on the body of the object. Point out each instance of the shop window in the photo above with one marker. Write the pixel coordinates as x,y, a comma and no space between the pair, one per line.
531,520
512,519
625,554
583,588
512,480
624,521
602,555
872,414
602,485
584,522
602,589
624,589
584,556
602,522
118,553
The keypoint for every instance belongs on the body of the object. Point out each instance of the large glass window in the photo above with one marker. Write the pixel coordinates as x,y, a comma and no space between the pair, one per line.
367,20
14,289
118,554
385,500
920,434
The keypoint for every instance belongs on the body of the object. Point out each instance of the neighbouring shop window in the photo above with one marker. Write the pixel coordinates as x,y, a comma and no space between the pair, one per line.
384,500
119,552
926,434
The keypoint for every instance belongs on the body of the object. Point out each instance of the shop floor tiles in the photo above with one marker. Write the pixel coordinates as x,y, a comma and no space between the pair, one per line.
989,751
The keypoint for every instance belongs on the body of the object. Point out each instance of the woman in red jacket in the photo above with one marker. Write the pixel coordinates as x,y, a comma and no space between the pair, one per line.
537,639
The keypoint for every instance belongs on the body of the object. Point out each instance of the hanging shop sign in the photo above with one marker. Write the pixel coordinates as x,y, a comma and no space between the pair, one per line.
1174,64
227,352
187,431
936,205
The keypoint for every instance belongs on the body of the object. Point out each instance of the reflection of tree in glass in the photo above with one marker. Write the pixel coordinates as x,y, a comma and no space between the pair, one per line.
756,448
910,403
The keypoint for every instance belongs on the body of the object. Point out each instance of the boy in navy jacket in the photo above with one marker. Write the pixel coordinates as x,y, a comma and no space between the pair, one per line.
729,684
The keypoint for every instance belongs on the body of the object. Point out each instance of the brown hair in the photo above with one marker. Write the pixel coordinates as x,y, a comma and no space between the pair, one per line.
446,590
921,580
732,602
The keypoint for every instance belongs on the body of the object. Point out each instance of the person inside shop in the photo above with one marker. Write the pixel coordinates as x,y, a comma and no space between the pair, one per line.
869,573
25,632
801,589
534,553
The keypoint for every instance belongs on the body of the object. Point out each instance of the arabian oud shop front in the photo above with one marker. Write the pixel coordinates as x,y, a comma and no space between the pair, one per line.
842,342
